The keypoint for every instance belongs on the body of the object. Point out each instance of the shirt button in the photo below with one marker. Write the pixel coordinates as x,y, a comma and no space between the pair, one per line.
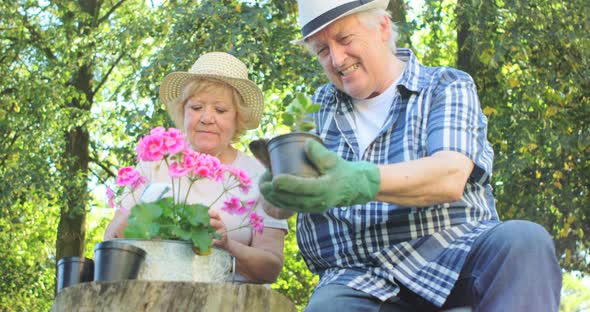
359,242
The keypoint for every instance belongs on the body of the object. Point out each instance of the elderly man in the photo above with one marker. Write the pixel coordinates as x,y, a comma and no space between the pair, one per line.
402,217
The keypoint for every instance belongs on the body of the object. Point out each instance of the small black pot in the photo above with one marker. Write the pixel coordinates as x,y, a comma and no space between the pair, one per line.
74,270
287,155
117,261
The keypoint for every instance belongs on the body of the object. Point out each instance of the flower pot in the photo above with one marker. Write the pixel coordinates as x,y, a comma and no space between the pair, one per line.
74,270
174,260
287,155
117,261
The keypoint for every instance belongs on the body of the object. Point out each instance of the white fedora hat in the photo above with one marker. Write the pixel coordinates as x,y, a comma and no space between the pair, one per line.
216,66
314,15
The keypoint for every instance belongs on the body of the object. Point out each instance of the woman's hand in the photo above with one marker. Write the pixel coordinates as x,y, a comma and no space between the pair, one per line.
117,225
260,262
220,228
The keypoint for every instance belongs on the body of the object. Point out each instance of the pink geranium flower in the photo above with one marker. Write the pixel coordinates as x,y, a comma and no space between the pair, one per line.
257,222
190,159
234,206
174,141
185,167
158,131
151,148
138,182
242,177
250,204
128,176
110,197
177,171
208,167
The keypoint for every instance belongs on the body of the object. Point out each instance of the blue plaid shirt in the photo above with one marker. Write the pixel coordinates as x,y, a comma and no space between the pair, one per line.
370,247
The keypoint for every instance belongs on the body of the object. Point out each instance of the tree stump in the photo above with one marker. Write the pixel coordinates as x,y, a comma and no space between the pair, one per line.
137,295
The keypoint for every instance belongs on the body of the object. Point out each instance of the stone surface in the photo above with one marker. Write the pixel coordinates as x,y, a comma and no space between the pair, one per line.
168,260
134,295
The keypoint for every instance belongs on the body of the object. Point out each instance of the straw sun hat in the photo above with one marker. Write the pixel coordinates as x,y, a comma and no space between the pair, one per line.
314,15
216,66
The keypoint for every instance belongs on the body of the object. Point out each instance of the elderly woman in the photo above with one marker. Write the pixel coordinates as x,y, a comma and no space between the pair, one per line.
213,104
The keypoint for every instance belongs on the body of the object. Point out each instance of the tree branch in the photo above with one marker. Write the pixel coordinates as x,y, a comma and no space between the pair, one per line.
12,141
94,173
113,8
104,167
37,38
7,91
108,73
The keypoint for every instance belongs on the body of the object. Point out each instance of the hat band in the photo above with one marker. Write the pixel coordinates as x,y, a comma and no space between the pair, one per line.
330,15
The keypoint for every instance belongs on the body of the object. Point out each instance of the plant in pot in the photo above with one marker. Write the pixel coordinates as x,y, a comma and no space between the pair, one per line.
176,234
284,154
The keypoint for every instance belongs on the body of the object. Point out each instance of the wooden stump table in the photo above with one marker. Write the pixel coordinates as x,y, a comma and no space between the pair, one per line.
136,295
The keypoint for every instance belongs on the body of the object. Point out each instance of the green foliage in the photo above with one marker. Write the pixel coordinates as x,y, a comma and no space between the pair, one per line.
298,114
98,218
27,237
296,281
531,68
575,294
434,37
530,61
56,60
257,34
163,219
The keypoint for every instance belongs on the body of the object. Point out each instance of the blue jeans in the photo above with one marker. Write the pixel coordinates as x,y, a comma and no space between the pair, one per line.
511,267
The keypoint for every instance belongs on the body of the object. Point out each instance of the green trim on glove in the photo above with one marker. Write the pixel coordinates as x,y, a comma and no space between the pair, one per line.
341,183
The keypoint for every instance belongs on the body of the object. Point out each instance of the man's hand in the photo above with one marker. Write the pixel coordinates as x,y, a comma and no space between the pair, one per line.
341,183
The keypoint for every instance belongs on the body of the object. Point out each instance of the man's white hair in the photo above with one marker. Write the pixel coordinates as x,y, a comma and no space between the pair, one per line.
372,18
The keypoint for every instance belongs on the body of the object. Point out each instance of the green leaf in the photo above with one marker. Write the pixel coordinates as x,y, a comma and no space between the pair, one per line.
195,214
147,211
314,108
297,117
303,100
181,233
288,119
142,230
167,206
201,238
143,220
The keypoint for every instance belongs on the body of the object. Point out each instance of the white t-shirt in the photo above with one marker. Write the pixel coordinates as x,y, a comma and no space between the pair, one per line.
369,116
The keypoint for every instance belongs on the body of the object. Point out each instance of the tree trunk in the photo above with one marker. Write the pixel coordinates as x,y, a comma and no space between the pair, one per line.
471,19
398,10
464,48
135,295
71,231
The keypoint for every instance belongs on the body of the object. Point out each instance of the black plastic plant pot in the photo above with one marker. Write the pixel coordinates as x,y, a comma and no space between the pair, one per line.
287,154
74,270
117,261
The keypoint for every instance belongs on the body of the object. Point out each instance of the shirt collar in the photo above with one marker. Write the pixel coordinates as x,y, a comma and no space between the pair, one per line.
410,79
